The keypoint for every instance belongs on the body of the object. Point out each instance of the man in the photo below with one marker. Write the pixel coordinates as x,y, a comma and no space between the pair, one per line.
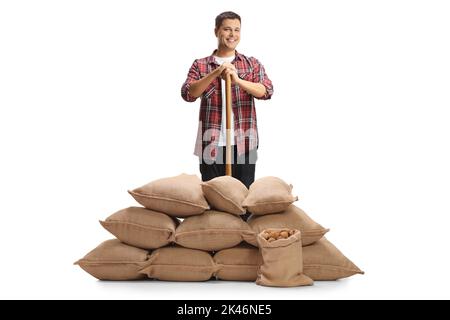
206,79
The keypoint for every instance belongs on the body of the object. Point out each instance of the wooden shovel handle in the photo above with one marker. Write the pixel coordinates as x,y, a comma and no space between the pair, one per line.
228,125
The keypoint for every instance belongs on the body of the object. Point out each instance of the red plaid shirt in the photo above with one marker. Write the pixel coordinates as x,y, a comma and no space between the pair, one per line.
243,104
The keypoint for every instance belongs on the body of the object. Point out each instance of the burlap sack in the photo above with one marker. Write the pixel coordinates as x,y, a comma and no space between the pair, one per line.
292,218
113,260
239,263
323,261
174,263
226,194
141,227
179,196
282,262
212,231
268,195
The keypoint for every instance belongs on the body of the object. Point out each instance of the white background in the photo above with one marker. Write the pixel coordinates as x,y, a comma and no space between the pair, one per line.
90,106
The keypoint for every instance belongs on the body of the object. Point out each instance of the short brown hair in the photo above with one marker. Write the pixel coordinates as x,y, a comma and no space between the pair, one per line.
226,15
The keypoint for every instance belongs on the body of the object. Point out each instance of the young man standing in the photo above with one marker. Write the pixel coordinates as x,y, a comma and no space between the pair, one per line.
206,80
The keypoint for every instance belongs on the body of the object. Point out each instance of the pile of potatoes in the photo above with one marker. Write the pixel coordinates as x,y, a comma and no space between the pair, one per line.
274,235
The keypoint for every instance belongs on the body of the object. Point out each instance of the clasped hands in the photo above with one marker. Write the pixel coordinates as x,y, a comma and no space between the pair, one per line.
226,69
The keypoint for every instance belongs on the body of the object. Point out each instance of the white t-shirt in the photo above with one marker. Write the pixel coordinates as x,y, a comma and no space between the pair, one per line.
223,128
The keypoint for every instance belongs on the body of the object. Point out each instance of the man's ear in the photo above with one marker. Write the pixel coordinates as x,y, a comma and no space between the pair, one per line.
215,31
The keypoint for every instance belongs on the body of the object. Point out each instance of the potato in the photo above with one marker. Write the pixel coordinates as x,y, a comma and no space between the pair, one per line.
284,234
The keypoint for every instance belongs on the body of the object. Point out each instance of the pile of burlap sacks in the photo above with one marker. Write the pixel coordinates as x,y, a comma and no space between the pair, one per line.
189,230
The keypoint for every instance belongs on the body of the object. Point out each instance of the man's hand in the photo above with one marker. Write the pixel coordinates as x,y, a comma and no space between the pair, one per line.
198,87
255,89
229,69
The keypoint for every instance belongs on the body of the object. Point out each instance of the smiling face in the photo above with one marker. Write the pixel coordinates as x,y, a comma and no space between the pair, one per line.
228,34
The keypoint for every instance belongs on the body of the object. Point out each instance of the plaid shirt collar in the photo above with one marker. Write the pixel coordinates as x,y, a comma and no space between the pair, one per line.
212,60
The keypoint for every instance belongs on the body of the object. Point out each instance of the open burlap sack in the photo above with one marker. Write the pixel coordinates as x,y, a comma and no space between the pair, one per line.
282,261
142,228
175,263
292,218
226,194
113,260
179,196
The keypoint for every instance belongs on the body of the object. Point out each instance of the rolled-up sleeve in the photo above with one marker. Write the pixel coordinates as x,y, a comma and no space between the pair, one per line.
260,76
193,75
